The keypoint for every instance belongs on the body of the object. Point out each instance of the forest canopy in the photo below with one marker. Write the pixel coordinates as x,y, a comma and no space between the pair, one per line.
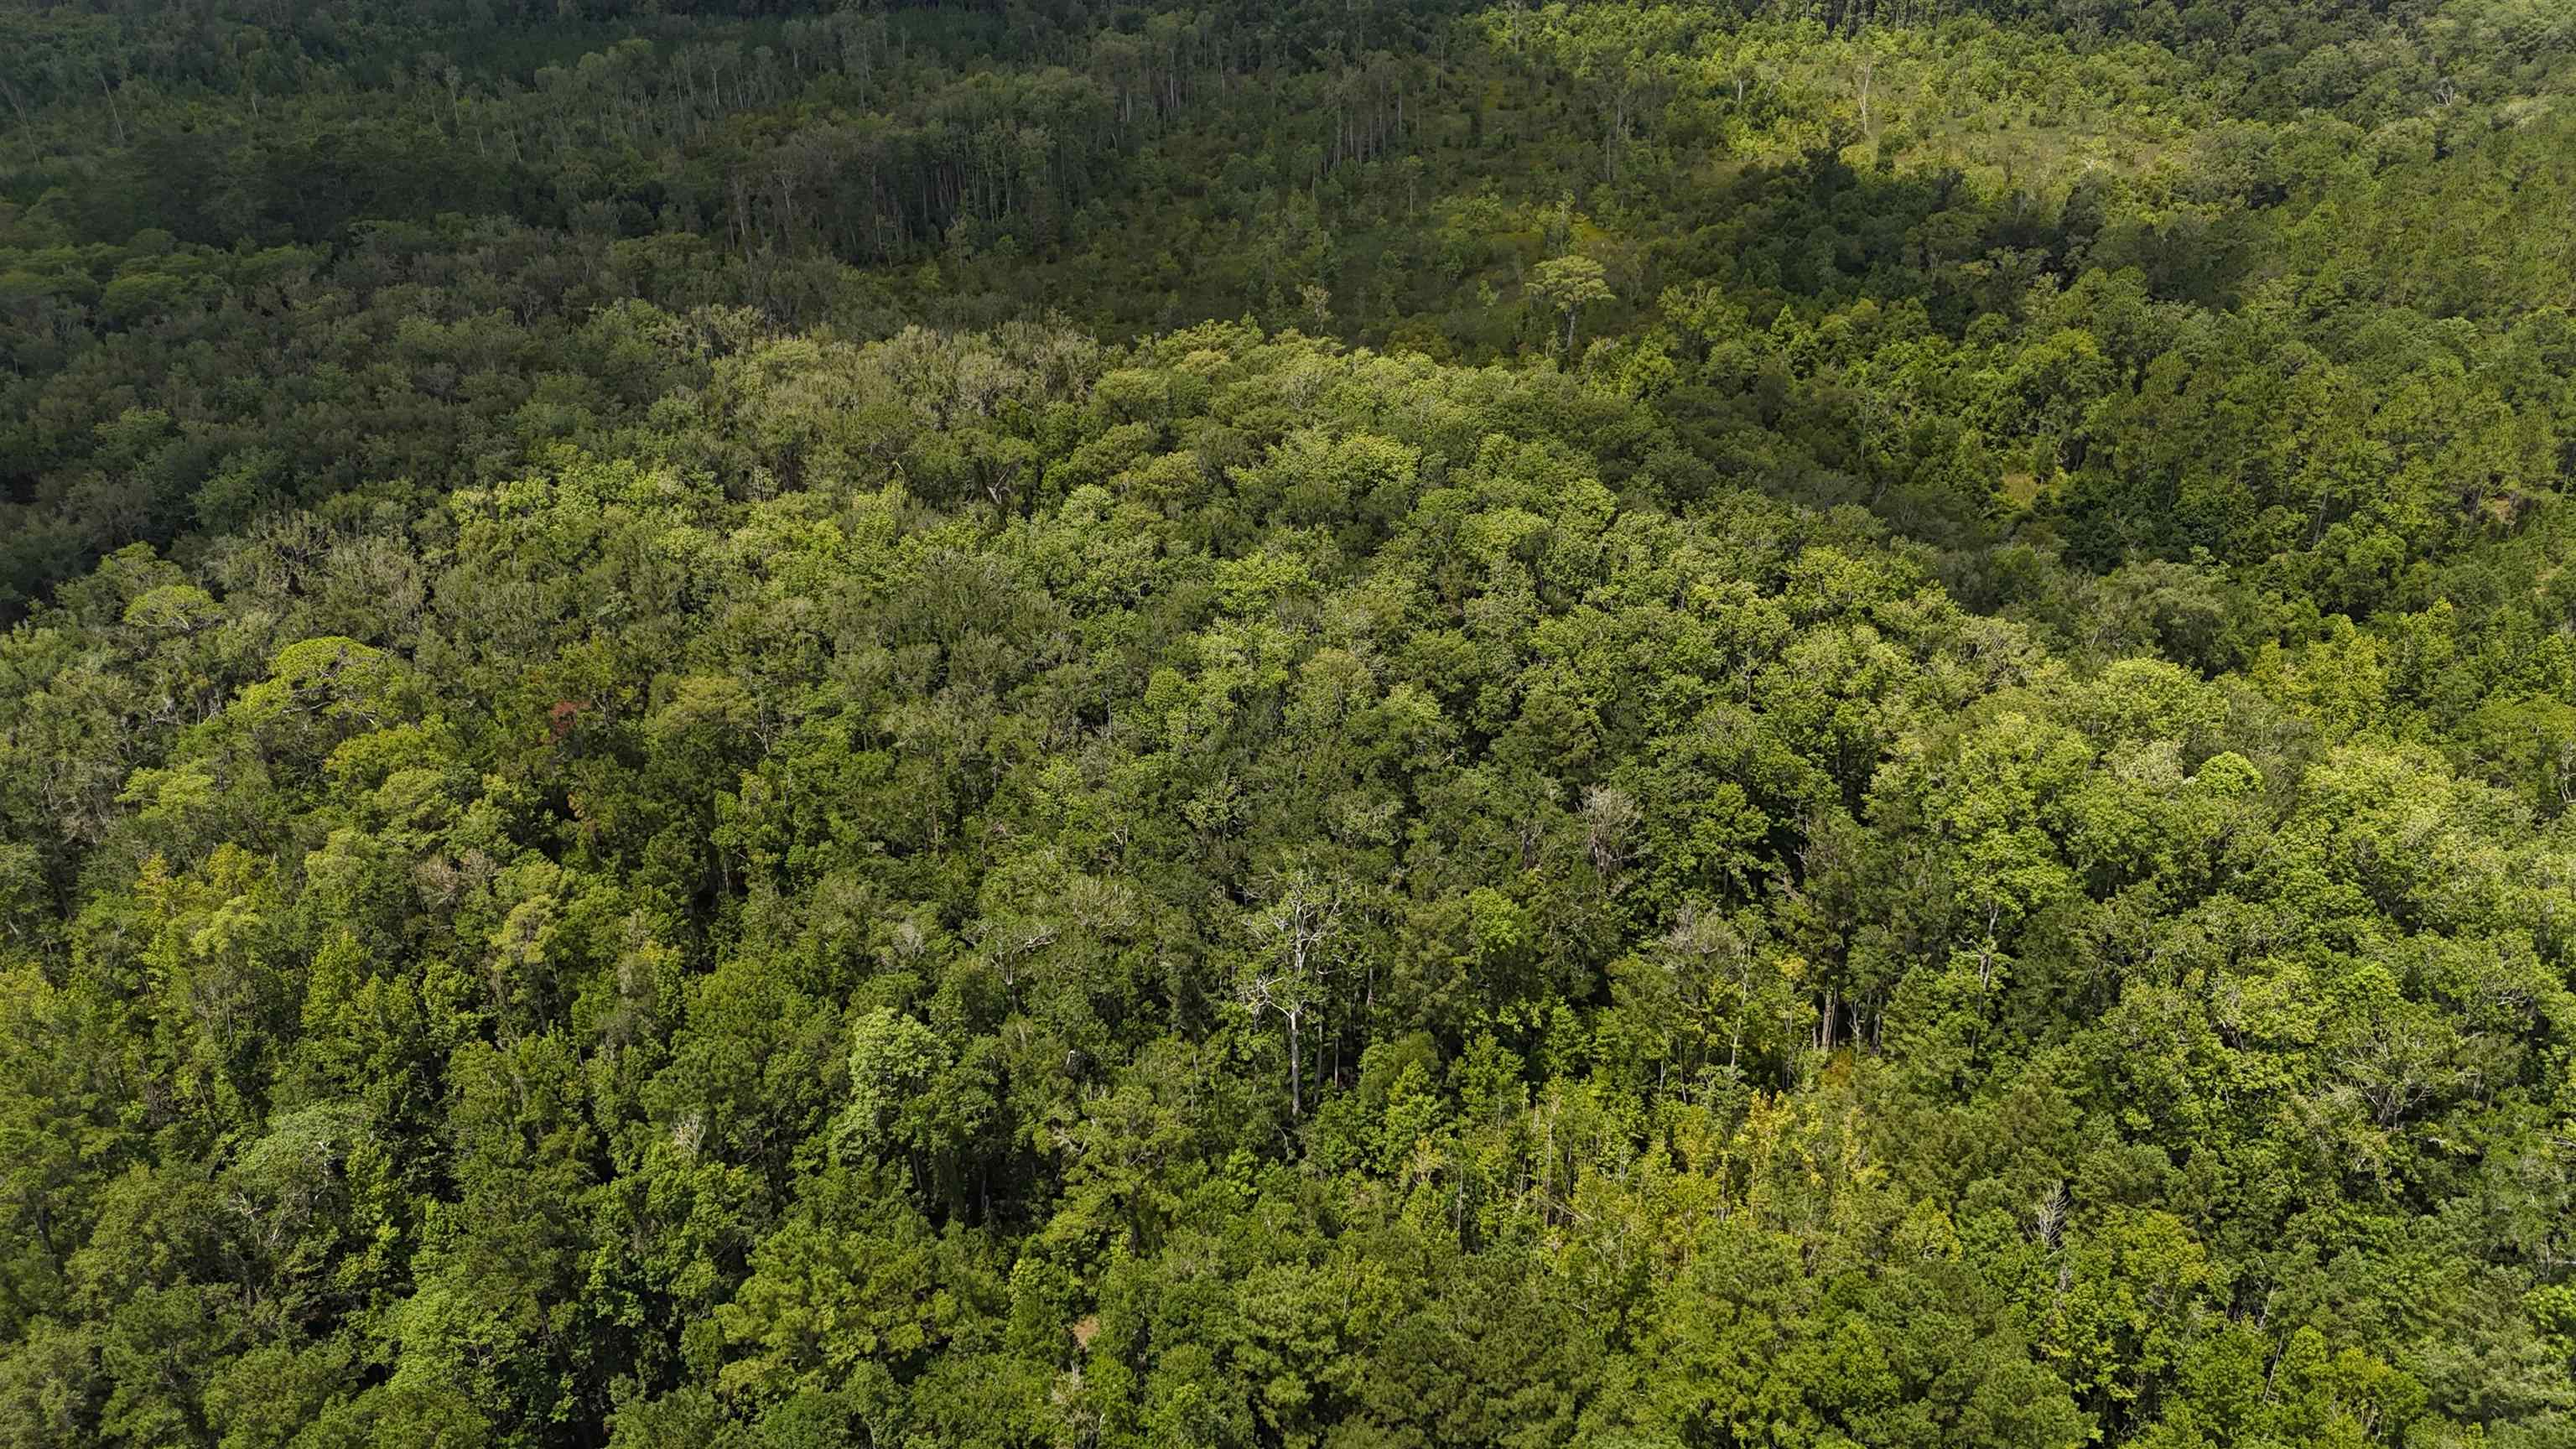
1339,726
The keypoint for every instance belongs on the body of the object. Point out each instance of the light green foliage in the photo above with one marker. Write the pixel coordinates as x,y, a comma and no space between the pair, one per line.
1568,285
1420,944
722,725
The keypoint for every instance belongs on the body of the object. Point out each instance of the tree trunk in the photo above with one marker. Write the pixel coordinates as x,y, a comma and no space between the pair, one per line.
1296,1072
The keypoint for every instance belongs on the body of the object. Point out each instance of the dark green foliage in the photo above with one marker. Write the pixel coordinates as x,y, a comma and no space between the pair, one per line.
1311,725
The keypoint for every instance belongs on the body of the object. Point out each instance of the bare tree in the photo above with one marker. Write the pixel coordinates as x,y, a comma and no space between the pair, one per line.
1298,941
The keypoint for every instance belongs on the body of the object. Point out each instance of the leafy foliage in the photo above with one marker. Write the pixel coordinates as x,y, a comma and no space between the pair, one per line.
1811,725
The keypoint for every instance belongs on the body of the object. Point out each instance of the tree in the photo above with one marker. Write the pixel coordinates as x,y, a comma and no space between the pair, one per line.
1298,939
1569,284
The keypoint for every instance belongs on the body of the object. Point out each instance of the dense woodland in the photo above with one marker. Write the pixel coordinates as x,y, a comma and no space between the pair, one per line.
1355,725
